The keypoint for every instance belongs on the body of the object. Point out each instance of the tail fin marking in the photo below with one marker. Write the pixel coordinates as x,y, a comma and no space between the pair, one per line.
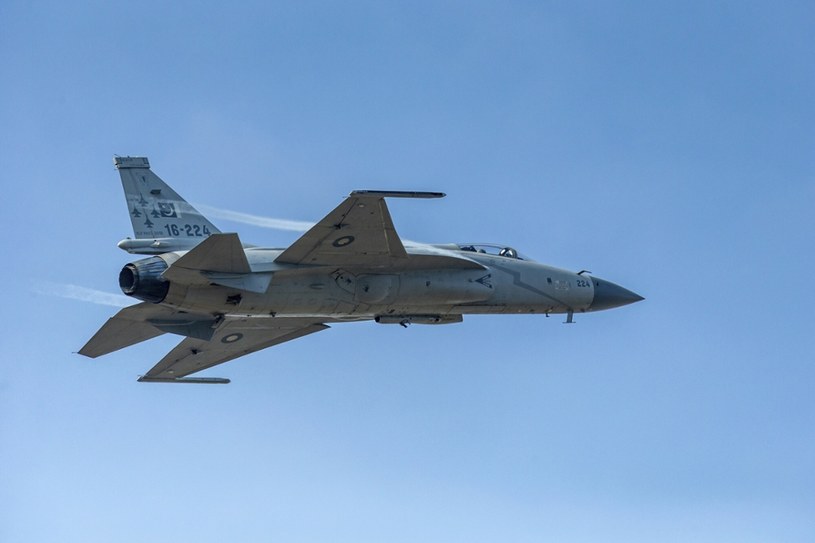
156,210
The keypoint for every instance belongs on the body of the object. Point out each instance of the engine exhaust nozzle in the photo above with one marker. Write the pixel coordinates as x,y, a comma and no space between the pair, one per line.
142,280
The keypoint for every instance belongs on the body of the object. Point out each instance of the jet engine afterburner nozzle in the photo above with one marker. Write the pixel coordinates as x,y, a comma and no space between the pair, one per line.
142,279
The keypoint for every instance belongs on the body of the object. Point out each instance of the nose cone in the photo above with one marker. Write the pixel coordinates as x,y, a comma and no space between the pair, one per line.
608,295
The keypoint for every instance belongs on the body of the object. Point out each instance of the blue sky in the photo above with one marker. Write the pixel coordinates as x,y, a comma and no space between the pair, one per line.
665,146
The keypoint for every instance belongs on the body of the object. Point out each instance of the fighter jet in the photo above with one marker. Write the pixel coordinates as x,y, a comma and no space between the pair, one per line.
228,299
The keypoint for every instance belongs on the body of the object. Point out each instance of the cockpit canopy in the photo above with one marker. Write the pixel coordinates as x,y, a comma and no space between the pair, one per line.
492,249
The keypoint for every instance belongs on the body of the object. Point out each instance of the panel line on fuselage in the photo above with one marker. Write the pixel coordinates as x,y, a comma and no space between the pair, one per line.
516,280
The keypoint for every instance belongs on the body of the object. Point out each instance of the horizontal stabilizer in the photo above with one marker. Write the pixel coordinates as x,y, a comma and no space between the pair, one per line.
124,329
218,253
145,321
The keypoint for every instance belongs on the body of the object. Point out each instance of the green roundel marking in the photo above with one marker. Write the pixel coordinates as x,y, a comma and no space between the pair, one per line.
343,241
231,338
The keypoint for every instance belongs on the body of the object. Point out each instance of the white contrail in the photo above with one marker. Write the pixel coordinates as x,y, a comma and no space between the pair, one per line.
254,220
83,294
263,222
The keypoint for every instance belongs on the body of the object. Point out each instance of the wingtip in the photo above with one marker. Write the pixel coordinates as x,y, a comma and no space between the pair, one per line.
194,380
397,194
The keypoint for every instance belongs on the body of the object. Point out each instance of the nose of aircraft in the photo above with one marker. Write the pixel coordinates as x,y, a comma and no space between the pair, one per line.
608,295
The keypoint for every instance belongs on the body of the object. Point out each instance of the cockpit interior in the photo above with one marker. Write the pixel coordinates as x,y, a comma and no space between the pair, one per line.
492,249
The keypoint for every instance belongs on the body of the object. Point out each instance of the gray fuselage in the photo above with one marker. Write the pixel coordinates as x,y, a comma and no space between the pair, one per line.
504,285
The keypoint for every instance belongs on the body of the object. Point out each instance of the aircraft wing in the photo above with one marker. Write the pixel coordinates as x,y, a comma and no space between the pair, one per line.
359,232
234,337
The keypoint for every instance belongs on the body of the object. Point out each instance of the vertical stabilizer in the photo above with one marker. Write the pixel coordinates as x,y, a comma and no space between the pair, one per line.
156,210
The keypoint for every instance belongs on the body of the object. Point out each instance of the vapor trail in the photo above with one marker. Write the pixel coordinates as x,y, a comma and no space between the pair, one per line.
83,294
254,220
